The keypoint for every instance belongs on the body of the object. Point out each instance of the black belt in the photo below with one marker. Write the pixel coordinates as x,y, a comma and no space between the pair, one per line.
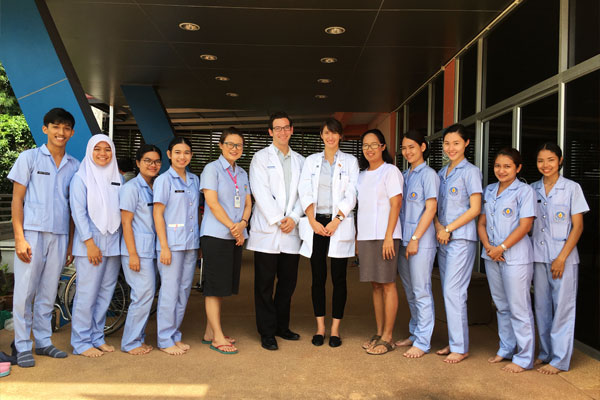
324,216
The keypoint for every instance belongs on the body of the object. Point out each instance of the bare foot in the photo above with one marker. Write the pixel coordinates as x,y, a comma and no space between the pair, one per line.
538,362
455,358
182,346
548,370
147,346
173,350
413,352
443,352
138,351
404,342
514,368
107,348
92,352
495,359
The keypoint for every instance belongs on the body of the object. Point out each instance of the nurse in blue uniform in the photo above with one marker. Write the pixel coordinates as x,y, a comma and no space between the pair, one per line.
507,215
459,203
176,201
417,253
556,231
94,202
138,247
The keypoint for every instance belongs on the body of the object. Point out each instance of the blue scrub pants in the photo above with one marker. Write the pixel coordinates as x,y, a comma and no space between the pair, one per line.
555,301
510,287
39,280
95,288
456,266
415,274
175,286
143,287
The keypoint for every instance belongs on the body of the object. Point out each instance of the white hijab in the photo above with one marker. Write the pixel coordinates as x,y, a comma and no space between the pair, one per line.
103,184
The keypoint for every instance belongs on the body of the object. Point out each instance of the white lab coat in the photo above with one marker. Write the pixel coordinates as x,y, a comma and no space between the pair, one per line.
268,188
343,188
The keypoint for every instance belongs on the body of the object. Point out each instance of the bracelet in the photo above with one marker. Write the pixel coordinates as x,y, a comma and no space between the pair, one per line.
245,221
503,246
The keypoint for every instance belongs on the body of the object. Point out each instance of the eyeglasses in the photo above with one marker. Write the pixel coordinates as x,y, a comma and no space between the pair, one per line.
278,129
148,162
232,146
371,146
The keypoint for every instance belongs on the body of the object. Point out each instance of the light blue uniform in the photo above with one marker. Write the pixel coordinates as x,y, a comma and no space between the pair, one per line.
457,257
215,176
136,197
555,299
510,280
46,228
419,185
95,283
181,200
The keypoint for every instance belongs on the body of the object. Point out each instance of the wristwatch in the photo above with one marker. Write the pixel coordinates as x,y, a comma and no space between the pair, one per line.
503,246
414,238
446,229
340,217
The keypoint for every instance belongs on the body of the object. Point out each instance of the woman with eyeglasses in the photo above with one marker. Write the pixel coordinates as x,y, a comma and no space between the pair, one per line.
227,209
380,186
176,202
138,247
327,191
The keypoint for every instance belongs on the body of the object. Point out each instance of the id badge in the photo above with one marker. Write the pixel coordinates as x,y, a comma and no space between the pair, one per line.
237,201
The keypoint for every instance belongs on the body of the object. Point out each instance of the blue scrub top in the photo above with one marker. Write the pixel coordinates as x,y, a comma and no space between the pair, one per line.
136,197
503,213
46,207
553,223
419,185
109,244
181,200
455,191
215,177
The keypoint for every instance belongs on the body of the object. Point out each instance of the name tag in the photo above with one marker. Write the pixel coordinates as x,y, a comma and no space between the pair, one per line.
115,183
175,225
237,201
43,173
180,191
539,201
150,204
271,166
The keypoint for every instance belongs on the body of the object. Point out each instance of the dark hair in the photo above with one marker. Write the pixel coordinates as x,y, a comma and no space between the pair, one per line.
418,137
362,161
59,116
147,148
177,140
511,153
553,147
125,164
278,115
333,125
231,131
457,128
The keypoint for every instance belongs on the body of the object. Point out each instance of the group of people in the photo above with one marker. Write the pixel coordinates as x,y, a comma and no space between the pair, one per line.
62,210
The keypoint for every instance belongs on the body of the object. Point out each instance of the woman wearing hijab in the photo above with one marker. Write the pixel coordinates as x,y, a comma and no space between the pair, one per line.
94,198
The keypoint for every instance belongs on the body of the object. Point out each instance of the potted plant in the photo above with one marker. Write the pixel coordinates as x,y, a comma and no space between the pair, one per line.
7,281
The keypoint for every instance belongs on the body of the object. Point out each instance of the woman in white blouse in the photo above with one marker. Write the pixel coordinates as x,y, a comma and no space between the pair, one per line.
380,186
327,191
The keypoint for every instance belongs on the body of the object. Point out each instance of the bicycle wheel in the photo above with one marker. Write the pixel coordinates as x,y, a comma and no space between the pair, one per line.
156,292
70,296
117,309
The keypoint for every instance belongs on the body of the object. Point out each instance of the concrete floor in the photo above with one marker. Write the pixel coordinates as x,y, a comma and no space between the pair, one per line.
298,370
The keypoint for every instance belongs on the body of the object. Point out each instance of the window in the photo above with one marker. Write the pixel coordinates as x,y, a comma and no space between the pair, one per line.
498,135
417,111
585,30
438,103
467,83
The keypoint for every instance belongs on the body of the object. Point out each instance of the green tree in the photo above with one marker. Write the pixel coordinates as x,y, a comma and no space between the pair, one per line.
15,135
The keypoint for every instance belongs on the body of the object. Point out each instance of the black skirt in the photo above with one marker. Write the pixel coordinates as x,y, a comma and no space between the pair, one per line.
222,265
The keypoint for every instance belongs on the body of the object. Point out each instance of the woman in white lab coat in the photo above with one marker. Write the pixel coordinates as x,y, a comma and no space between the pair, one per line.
327,191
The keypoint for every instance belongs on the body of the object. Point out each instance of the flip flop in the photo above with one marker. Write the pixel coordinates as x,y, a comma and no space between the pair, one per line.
372,341
4,369
388,347
231,340
218,348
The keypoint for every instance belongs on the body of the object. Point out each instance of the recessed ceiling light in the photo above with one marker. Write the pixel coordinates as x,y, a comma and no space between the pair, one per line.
324,80
328,60
189,26
222,78
231,94
321,96
335,30
208,57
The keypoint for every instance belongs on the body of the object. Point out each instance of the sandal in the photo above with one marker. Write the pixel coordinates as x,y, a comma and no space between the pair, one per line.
371,342
388,347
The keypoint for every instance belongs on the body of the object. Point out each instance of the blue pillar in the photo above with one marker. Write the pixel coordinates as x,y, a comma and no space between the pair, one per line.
151,117
40,71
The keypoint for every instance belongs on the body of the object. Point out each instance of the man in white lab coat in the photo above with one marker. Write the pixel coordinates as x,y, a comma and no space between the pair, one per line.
274,176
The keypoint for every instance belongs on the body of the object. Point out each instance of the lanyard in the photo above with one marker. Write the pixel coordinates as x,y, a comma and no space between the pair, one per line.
234,179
